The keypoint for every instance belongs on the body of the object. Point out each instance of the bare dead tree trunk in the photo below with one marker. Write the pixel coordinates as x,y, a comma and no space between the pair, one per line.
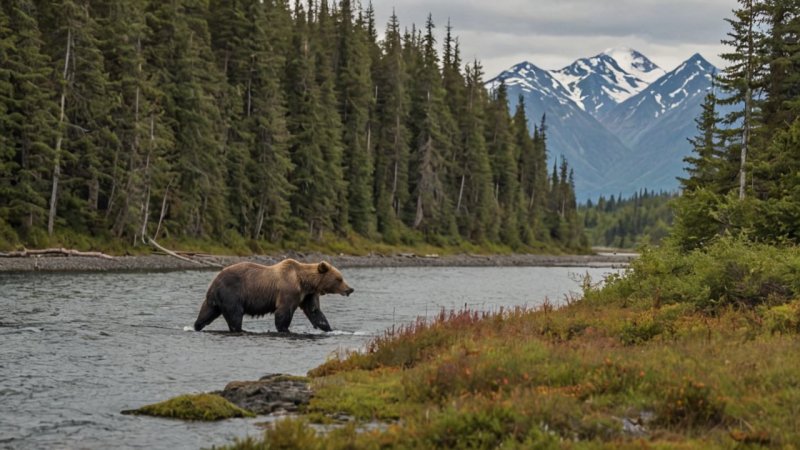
747,105
425,182
260,218
530,202
146,204
163,209
395,203
51,216
460,193
250,88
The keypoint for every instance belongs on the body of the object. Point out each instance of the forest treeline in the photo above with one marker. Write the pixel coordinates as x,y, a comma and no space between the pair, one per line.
743,175
643,218
264,121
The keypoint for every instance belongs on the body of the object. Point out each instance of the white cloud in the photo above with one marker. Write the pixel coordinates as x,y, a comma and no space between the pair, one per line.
553,33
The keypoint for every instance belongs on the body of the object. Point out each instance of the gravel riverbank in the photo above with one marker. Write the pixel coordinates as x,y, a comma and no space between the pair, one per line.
159,262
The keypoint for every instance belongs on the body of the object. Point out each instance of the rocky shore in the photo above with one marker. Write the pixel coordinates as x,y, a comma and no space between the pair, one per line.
160,262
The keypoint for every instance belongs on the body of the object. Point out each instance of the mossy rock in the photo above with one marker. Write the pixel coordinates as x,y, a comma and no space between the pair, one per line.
207,407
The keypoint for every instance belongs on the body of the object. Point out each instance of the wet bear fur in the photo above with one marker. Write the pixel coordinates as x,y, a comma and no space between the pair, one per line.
256,290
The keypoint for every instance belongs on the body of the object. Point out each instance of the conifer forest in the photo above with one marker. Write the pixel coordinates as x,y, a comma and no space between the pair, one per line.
266,121
743,176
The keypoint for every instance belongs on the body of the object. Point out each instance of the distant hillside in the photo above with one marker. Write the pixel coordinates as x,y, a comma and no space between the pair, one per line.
626,222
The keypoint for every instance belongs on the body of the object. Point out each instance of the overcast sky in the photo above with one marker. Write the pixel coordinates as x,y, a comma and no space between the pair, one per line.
553,33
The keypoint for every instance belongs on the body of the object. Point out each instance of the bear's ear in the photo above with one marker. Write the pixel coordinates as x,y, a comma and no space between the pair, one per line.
323,267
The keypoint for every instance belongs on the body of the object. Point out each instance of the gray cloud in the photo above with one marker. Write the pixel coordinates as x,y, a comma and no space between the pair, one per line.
554,33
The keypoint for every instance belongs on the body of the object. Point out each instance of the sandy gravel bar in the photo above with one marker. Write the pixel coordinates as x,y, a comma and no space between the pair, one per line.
166,262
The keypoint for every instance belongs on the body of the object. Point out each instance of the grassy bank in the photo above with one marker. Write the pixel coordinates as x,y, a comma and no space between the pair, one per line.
234,244
693,350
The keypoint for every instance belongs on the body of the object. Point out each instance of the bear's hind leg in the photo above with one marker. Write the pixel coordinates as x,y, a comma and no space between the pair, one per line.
207,315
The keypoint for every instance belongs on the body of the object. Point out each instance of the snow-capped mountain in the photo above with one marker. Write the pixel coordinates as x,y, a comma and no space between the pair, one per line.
572,132
689,81
603,81
657,122
619,119
528,78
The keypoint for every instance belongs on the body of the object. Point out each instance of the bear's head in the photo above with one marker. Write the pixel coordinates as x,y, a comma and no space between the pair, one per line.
332,281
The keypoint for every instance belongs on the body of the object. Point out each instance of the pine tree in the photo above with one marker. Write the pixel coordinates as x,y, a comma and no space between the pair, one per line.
313,200
183,64
539,200
529,216
82,150
234,50
27,119
391,150
743,77
504,156
431,120
475,207
708,168
781,104
354,84
138,168
330,121
257,139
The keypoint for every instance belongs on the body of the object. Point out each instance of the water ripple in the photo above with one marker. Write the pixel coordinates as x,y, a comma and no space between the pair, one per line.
79,348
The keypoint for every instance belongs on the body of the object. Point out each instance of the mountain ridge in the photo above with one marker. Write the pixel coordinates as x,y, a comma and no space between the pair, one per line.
620,120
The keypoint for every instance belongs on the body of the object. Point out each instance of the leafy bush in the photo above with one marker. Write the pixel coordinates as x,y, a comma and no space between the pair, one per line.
207,407
728,272
638,331
691,404
783,318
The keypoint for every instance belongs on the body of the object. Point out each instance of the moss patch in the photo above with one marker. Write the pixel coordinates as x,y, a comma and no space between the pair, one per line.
207,407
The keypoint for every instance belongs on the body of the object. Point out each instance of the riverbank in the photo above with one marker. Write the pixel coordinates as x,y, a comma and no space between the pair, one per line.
589,375
161,262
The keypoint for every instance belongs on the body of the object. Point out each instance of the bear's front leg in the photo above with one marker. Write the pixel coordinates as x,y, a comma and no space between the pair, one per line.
310,306
283,318
233,314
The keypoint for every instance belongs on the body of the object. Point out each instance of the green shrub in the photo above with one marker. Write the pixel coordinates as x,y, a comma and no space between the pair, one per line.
642,330
783,318
207,407
728,272
690,404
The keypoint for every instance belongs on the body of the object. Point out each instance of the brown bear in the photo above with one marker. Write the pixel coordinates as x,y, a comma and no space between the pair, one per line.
256,290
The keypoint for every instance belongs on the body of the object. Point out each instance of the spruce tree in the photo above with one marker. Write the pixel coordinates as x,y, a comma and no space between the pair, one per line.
183,64
138,167
505,173
431,121
27,119
265,118
81,183
742,78
354,85
313,200
527,162
709,167
475,207
330,121
391,149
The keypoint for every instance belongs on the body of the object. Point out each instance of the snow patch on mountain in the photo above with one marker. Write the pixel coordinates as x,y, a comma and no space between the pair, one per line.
635,64
620,120
598,83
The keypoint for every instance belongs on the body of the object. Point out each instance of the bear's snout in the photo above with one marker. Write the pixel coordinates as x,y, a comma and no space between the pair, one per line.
349,291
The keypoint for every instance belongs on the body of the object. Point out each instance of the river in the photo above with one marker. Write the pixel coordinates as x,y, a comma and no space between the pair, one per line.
76,349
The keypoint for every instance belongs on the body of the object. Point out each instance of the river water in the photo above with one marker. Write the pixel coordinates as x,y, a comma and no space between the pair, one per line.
76,349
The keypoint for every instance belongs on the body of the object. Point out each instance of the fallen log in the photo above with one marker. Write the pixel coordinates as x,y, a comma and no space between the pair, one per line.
183,258
53,251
